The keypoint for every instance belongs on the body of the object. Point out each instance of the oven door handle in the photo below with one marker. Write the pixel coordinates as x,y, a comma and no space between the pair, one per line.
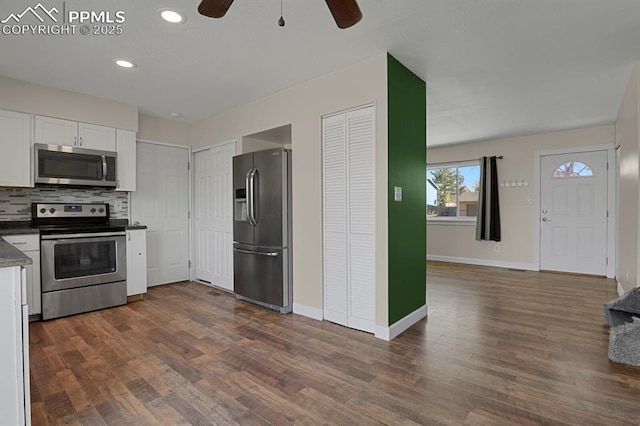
84,235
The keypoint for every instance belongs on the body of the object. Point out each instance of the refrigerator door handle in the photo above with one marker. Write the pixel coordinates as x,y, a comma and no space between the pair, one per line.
258,253
249,188
254,204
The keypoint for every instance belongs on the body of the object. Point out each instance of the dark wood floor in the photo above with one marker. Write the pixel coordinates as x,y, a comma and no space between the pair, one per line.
498,347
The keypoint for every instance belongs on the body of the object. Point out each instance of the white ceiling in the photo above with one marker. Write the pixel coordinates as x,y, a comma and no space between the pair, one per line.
494,68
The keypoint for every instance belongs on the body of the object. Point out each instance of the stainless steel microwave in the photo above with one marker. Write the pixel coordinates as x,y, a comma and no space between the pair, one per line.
66,165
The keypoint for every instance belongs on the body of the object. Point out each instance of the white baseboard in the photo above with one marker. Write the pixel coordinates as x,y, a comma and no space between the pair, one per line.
388,333
212,286
484,262
620,289
308,311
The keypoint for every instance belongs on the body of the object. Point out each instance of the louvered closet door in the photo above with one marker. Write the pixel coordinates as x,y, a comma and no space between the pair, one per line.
349,218
335,219
361,216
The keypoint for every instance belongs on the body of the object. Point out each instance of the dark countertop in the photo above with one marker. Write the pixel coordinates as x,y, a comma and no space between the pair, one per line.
11,256
134,227
17,227
125,223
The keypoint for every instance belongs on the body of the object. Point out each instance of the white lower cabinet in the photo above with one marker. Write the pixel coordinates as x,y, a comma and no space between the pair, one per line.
29,244
136,262
14,351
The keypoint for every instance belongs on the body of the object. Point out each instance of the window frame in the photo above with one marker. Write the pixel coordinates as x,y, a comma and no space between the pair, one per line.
457,219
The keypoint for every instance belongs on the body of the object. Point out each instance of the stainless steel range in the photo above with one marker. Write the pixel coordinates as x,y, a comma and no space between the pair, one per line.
83,258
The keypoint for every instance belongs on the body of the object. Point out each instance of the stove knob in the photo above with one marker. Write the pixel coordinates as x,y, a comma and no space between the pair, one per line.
93,210
101,210
52,210
43,210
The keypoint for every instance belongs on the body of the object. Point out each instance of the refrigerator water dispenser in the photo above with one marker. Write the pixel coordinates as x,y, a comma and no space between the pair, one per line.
240,206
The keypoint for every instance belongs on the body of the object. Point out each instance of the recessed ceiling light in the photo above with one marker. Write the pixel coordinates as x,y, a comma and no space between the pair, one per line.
172,16
176,114
125,64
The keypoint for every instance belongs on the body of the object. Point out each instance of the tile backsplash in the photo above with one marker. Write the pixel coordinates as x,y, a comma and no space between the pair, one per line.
15,203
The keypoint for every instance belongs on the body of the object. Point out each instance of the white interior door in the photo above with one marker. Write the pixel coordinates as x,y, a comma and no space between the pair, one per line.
573,212
213,210
161,202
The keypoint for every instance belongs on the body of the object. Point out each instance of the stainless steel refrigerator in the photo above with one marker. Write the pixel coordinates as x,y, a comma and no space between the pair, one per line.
262,266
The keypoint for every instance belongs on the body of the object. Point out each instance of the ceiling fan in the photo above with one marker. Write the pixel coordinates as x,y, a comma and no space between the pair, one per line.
345,12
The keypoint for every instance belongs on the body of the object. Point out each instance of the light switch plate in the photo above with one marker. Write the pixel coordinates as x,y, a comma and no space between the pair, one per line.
397,193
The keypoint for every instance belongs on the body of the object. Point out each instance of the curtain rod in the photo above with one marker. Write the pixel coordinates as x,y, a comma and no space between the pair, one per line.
459,161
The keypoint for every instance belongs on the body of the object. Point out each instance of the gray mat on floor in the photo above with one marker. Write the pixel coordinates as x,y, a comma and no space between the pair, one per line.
624,343
619,311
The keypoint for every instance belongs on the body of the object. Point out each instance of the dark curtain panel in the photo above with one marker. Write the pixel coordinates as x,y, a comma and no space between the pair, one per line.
488,220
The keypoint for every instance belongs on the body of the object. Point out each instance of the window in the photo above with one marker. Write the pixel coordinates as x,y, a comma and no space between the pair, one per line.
452,191
572,169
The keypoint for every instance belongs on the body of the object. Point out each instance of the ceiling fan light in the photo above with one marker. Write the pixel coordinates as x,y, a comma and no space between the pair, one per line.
124,63
172,16
214,8
346,13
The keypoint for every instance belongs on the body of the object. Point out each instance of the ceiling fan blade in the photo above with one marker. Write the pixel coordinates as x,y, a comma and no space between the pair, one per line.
214,8
345,12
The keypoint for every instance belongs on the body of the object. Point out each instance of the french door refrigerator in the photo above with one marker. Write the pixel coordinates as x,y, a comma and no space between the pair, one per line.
262,266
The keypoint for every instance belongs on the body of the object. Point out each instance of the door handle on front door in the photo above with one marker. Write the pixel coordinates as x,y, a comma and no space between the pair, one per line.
544,219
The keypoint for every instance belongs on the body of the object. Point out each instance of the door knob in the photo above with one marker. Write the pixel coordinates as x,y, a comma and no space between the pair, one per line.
544,219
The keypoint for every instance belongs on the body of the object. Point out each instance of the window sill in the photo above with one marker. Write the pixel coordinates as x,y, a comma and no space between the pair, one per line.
461,222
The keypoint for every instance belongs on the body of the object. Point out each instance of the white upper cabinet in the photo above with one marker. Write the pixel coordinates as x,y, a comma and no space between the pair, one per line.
126,167
15,140
55,131
91,136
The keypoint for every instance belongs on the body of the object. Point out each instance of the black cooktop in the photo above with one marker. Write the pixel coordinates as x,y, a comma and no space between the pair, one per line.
80,229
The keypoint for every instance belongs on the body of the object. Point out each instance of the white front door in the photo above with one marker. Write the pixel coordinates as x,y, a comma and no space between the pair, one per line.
161,202
573,212
213,210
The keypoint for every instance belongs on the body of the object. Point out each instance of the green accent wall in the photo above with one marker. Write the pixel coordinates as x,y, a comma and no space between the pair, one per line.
407,139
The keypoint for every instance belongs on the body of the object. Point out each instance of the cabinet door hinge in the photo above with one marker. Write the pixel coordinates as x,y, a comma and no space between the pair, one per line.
189,264
188,165
606,263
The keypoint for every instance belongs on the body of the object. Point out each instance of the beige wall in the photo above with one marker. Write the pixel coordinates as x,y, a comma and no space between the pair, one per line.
251,145
17,95
516,216
303,106
627,136
156,129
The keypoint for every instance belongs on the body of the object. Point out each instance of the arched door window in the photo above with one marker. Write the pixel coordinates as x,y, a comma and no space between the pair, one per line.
572,169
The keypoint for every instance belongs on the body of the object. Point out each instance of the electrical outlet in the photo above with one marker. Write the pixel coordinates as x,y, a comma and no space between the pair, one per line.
497,248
